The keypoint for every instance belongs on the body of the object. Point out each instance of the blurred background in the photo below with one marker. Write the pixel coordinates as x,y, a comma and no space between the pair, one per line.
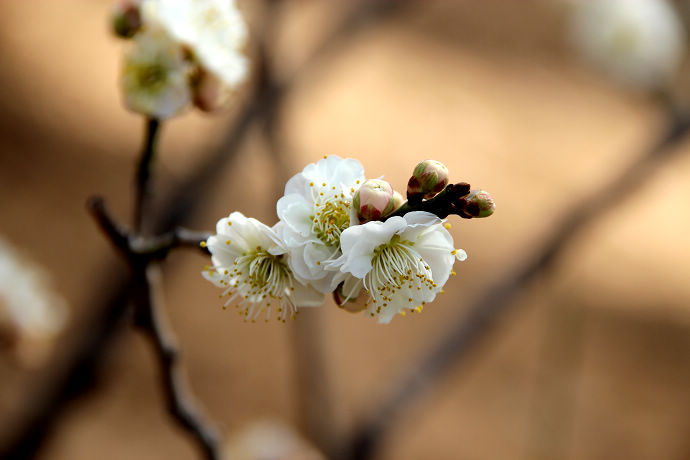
592,359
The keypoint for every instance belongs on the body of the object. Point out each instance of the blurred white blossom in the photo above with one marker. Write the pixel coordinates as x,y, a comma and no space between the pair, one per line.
31,314
269,440
155,77
251,263
213,31
638,42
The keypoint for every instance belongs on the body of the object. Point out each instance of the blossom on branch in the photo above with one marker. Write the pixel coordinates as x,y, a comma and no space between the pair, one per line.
343,235
315,210
402,262
251,263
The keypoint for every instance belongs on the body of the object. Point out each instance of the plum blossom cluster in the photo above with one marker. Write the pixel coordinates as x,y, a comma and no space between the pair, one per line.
182,53
339,233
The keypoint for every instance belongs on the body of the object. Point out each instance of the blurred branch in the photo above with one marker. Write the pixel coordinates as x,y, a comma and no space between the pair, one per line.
466,333
144,248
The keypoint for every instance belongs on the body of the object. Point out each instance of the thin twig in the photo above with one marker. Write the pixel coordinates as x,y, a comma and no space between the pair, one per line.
143,178
155,247
140,252
181,404
469,329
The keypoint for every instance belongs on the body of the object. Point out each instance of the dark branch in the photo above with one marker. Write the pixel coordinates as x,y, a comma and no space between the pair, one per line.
450,201
140,248
143,179
181,405
465,334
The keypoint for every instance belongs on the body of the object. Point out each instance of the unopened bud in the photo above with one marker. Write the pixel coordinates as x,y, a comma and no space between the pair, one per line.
398,200
126,18
210,93
480,203
428,179
353,300
374,200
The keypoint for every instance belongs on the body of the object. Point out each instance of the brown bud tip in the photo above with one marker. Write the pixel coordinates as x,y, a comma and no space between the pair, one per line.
126,18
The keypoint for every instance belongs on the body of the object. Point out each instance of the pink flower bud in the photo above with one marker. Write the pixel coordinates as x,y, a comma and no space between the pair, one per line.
428,179
126,18
373,200
210,94
480,203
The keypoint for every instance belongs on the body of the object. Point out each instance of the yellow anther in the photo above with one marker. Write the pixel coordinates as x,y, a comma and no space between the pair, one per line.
202,244
453,273
311,184
228,242
447,225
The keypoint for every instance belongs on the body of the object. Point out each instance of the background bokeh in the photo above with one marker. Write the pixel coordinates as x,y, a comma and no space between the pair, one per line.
594,361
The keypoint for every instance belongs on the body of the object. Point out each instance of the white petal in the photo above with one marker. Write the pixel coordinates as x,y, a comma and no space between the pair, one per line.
307,296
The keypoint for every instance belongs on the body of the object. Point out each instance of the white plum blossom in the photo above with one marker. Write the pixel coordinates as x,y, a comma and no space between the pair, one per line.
155,77
638,42
403,263
314,211
213,31
251,263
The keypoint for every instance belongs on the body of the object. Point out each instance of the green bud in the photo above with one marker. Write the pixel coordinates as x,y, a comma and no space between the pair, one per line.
480,203
428,179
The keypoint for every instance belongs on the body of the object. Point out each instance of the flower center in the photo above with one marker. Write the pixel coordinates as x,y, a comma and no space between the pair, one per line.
152,76
264,275
332,217
264,282
398,270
